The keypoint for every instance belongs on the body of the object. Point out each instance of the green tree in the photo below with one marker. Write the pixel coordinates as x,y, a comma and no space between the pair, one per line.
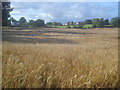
88,21
49,23
72,23
74,26
68,26
59,24
31,23
80,24
23,22
95,20
114,22
6,9
54,23
100,23
106,22
39,23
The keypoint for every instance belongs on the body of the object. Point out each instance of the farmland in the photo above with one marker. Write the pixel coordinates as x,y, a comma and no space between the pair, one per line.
86,26
60,58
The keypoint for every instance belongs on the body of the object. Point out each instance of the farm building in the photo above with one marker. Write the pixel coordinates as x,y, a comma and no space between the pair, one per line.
65,24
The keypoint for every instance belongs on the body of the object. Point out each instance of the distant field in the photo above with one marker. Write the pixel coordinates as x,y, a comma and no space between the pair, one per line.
70,26
57,26
58,57
88,26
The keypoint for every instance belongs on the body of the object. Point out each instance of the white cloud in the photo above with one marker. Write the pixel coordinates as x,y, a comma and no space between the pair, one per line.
64,0
63,12
50,16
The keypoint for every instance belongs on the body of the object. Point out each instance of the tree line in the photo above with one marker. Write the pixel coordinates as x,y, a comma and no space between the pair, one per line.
39,22
96,22
23,22
100,22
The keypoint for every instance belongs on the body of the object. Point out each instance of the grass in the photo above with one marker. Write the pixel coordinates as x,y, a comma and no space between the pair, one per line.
108,26
88,26
92,63
56,26
71,26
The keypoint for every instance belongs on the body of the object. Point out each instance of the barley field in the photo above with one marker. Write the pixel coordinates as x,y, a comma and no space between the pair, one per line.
60,58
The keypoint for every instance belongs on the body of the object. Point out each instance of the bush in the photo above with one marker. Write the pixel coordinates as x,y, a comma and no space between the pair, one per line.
80,26
74,26
68,27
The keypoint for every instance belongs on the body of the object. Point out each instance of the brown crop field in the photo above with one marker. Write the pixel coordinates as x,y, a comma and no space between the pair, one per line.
60,58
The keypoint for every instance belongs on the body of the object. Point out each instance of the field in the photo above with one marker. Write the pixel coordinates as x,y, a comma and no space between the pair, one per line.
60,58
88,26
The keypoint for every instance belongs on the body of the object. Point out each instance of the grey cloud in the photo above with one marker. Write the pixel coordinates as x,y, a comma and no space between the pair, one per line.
64,12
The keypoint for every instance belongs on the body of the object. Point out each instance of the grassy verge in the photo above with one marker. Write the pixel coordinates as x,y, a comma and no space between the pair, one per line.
88,26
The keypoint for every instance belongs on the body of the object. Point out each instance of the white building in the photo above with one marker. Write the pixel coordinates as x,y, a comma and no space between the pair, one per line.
77,23
65,24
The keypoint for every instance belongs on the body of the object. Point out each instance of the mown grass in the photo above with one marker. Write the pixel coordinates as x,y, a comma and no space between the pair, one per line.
93,63
88,26
71,26
52,26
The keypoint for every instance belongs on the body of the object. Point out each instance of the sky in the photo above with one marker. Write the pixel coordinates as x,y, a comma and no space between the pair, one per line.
64,11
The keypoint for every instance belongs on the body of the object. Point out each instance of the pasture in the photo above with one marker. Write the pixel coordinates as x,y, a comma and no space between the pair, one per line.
60,58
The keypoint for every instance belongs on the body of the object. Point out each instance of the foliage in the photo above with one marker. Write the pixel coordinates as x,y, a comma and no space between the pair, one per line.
23,22
98,22
6,9
68,27
12,19
95,20
31,23
49,23
54,23
59,24
74,26
80,24
106,22
88,21
39,23
114,22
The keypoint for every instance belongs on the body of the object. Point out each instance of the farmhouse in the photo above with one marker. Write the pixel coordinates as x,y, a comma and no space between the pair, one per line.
77,23
69,23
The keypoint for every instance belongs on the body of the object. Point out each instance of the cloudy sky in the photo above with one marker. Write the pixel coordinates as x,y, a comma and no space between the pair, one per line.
64,11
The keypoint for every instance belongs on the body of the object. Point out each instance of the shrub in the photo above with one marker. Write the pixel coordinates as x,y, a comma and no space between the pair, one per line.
68,27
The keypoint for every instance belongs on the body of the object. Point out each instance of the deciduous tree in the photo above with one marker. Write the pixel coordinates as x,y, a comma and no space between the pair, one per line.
23,22
6,9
